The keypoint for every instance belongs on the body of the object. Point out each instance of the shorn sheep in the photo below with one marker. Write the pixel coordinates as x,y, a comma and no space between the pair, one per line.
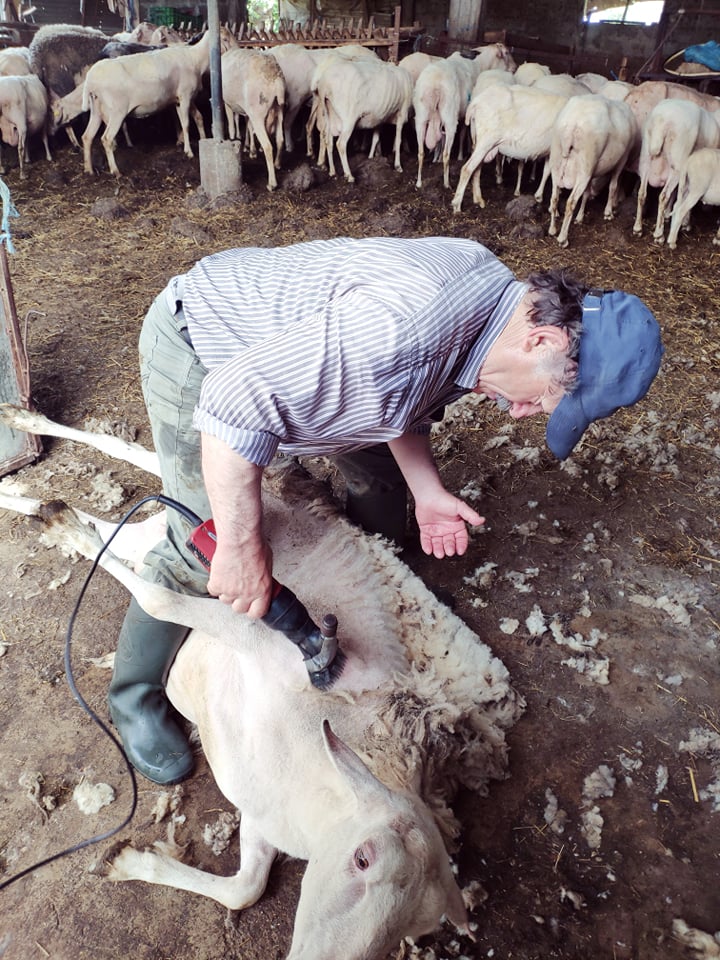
254,87
699,183
360,94
140,85
674,130
358,780
592,140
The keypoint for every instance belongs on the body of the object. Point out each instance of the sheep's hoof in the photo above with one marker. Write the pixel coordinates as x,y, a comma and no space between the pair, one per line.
637,231
716,241
659,240
564,243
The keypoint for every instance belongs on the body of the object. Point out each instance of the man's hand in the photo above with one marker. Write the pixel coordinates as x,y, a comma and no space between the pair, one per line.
440,516
242,577
442,523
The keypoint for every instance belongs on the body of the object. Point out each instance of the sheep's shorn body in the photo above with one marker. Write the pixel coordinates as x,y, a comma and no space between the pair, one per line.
359,780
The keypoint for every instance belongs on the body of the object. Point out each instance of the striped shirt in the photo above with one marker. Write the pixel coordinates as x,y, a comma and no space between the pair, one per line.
329,346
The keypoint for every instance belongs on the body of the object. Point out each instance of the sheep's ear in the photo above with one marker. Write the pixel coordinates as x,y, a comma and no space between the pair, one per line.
351,768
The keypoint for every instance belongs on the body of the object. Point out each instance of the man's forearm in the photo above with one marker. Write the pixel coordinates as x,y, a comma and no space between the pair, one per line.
414,456
233,486
241,569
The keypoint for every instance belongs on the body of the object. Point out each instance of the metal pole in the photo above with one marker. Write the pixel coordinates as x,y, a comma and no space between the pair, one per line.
216,96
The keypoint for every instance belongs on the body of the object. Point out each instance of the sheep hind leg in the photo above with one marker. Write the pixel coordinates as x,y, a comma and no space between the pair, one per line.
342,145
612,197
266,146
109,144
396,146
664,202
578,192
235,892
94,124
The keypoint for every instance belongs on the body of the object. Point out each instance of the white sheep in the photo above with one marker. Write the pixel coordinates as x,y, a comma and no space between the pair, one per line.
363,94
699,182
141,84
321,58
253,86
15,62
23,113
673,130
561,84
357,780
416,62
440,99
592,139
527,73
513,121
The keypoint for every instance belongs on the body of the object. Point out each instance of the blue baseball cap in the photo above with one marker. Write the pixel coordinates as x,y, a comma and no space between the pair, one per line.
619,356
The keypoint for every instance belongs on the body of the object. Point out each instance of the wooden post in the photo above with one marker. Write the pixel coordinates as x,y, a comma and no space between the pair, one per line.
394,51
16,447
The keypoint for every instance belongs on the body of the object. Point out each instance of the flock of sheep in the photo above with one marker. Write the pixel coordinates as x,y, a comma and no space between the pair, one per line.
585,131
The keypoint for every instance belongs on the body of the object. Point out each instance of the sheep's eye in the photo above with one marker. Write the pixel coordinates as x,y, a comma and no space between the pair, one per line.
361,861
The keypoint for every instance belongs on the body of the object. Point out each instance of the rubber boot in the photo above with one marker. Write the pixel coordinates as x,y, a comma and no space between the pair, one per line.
143,716
384,513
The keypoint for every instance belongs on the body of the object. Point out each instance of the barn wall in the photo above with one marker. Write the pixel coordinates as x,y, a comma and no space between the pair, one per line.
97,14
557,22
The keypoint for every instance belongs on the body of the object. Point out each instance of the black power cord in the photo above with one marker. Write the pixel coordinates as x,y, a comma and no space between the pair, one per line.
195,521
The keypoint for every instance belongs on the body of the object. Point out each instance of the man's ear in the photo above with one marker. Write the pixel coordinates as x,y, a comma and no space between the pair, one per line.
547,335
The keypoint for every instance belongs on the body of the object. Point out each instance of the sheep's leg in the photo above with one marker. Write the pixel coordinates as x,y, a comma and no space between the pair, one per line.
46,143
342,145
250,144
681,214
450,131
518,182
477,196
420,131
580,218
471,167
109,143
309,129
230,120
94,123
72,137
577,192
554,205
259,131
279,133
130,543
22,152
236,892
664,201
611,205
398,140
198,121
29,421
539,193
374,144
183,113
641,198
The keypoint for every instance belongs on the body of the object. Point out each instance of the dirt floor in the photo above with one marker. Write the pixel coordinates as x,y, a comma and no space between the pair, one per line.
595,581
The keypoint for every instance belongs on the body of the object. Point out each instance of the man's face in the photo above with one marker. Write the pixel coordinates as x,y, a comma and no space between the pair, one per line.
527,391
